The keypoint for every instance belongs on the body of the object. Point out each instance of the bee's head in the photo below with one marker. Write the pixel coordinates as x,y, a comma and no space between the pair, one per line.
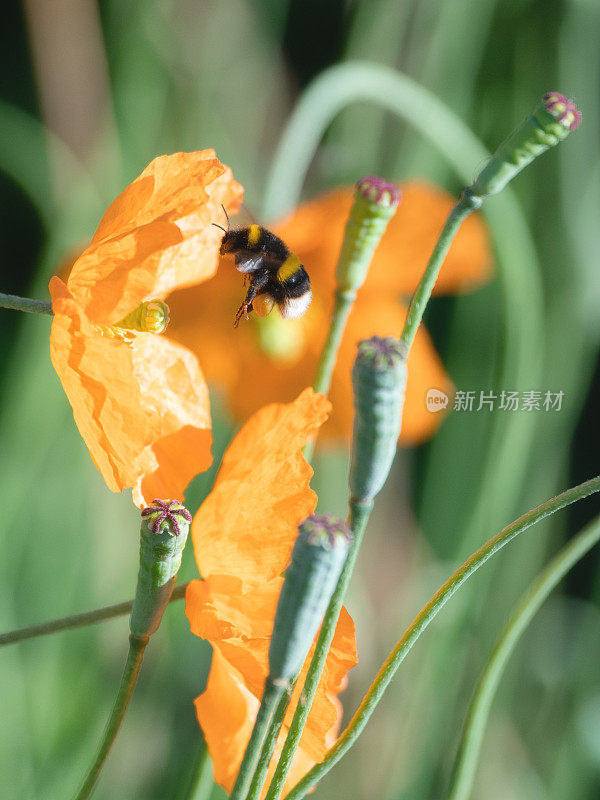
227,242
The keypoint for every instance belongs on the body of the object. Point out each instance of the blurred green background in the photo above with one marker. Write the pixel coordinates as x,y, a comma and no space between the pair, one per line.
90,92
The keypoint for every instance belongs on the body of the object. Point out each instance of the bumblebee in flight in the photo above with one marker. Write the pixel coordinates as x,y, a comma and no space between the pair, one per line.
273,274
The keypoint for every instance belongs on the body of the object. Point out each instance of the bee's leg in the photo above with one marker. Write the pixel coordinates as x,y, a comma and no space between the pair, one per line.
257,281
246,306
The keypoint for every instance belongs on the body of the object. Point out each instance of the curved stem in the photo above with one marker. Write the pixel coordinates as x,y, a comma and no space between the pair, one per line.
359,516
25,304
479,708
137,645
271,696
422,620
79,620
420,298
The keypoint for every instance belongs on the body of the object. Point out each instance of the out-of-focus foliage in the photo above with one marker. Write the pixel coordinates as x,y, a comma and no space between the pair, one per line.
89,94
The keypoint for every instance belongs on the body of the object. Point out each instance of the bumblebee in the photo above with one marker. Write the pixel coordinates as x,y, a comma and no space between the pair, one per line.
273,274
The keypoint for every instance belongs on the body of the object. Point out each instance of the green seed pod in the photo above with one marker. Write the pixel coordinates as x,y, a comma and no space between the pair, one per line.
375,202
317,560
163,534
379,380
551,122
151,316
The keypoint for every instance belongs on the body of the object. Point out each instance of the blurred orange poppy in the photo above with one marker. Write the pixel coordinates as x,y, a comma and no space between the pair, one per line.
140,400
243,536
272,359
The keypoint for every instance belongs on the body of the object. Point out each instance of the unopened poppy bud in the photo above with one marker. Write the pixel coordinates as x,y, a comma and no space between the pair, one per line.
163,534
375,202
317,560
551,122
378,380
151,316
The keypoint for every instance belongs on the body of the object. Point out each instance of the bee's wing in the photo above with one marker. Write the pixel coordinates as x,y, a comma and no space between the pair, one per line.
248,261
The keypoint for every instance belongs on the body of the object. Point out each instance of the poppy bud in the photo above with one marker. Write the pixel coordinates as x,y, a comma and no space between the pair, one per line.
379,380
163,534
151,316
317,560
375,203
551,122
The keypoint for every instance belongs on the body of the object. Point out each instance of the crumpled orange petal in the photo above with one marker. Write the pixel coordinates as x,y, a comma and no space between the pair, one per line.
247,525
315,232
243,536
141,406
139,399
234,623
156,236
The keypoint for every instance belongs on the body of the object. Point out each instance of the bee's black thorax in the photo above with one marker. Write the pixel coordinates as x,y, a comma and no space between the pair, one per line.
254,239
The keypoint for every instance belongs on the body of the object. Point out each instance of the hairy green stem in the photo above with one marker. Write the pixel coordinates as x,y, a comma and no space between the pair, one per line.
268,747
25,304
137,645
359,516
479,708
467,203
270,699
78,620
202,782
422,620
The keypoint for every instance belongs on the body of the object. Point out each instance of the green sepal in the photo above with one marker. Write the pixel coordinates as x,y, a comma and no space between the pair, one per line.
317,559
161,549
379,381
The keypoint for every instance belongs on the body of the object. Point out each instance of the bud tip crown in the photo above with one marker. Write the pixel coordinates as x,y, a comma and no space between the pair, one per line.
379,191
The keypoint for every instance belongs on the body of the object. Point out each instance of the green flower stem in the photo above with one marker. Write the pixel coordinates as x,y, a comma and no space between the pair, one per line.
137,645
359,516
270,699
479,708
25,304
268,747
201,785
468,202
79,620
422,620
163,534
344,300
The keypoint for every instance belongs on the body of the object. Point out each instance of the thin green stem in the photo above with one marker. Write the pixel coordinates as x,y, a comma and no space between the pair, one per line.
25,304
344,299
479,708
268,747
78,620
137,645
359,516
270,699
422,620
420,298
201,785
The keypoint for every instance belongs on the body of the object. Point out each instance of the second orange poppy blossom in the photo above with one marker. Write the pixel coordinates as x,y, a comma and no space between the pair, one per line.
243,535
273,359
140,400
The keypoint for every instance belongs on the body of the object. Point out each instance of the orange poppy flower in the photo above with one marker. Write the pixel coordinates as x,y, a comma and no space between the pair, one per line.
274,358
243,536
140,400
